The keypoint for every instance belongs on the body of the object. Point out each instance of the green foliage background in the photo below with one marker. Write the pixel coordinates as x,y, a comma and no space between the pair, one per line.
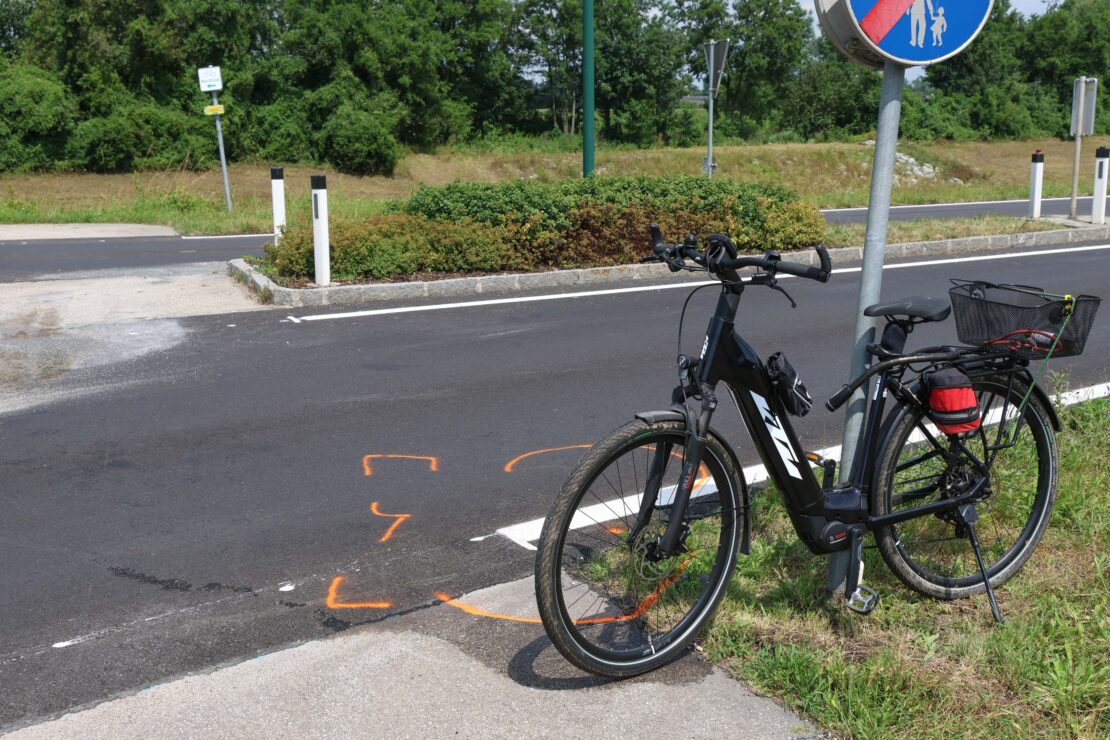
110,85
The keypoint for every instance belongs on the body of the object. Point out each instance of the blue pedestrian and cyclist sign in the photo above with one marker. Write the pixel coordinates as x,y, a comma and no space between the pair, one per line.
913,32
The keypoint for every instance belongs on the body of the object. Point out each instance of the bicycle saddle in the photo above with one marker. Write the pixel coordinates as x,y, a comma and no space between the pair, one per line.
922,308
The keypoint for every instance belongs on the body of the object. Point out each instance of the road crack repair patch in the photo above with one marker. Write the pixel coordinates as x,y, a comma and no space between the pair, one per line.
175,584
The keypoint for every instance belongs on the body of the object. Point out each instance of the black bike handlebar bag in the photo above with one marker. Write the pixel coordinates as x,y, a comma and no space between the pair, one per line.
952,403
788,386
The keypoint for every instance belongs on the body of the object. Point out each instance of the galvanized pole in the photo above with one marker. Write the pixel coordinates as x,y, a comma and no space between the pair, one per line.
874,246
709,94
1082,94
223,159
587,88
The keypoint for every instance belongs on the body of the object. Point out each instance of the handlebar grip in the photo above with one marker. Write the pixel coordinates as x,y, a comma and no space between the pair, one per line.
657,244
820,274
839,398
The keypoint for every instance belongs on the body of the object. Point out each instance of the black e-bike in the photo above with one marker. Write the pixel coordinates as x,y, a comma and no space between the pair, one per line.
642,539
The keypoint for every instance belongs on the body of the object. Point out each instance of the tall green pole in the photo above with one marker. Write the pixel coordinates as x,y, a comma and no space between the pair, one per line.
587,88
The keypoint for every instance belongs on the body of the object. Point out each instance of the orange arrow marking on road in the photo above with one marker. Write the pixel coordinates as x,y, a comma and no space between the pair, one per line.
433,462
333,601
389,532
509,465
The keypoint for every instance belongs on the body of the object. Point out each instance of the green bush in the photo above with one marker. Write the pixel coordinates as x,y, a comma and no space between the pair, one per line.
36,115
393,245
468,227
103,145
358,142
143,136
280,133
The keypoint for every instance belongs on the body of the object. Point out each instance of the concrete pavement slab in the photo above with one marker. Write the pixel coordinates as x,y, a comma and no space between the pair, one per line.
28,232
435,673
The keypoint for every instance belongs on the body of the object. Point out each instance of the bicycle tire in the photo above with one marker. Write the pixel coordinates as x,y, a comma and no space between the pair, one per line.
626,627
932,554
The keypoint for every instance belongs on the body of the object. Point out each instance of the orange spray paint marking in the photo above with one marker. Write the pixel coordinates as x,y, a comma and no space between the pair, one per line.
640,609
389,532
333,601
616,530
509,465
433,462
482,612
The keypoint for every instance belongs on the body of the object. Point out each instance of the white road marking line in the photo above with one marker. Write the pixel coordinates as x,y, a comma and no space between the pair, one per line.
950,205
294,319
230,236
502,301
671,286
525,533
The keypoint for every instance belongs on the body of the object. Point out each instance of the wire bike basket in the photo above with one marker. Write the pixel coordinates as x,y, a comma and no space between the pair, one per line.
1027,321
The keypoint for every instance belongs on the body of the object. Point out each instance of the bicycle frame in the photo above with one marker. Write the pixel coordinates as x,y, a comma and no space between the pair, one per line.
824,519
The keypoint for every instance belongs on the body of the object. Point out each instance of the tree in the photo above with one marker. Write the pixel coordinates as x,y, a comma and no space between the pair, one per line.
771,40
639,71
831,96
553,35
13,25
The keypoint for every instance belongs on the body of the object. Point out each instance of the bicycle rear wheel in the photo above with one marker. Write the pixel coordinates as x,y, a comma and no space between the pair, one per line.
608,608
918,465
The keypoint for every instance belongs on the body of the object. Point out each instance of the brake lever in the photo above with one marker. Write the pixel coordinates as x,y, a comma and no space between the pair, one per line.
771,281
782,290
650,258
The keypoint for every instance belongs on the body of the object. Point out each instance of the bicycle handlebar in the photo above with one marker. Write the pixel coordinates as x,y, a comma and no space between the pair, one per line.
721,256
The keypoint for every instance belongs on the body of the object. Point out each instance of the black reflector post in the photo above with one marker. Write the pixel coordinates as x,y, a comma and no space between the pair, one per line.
277,196
1036,184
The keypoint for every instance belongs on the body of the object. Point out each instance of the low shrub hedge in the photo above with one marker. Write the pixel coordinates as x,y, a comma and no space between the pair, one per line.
520,226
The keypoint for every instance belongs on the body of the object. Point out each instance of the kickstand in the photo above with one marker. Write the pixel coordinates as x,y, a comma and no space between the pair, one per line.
970,516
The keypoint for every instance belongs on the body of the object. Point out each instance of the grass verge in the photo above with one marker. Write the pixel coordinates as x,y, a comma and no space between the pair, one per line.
917,667
827,175
931,229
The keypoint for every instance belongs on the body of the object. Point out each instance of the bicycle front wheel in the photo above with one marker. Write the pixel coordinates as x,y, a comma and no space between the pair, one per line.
610,607
919,465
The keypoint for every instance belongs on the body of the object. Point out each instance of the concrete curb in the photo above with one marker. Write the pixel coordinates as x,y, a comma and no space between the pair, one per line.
346,295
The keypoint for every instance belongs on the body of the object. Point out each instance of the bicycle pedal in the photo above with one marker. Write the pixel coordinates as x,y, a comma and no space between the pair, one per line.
863,600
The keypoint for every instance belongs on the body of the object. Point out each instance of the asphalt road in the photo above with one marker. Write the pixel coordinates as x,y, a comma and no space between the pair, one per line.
198,506
23,260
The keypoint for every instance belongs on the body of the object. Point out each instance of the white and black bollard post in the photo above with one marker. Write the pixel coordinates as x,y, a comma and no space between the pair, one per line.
277,196
320,249
1098,203
1036,184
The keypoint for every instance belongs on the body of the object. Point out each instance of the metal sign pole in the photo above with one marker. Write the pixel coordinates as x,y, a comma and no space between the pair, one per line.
1081,93
709,93
223,159
587,88
874,246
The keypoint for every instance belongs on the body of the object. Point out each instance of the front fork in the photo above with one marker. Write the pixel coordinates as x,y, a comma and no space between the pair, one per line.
697,430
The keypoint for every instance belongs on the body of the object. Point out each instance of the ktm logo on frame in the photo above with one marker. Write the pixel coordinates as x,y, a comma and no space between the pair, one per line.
778,434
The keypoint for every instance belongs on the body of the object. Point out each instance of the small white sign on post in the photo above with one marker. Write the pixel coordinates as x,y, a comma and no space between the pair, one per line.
210,79
1083,106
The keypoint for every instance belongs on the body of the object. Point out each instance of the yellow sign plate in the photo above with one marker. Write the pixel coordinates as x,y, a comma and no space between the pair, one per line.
213,110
